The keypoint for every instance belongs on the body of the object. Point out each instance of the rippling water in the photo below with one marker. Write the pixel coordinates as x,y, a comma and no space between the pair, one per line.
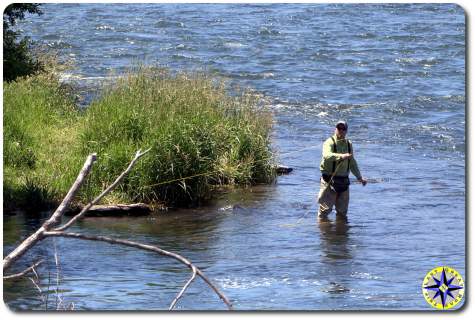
395,72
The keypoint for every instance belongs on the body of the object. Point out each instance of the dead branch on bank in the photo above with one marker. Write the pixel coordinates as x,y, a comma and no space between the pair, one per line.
24,272
46,230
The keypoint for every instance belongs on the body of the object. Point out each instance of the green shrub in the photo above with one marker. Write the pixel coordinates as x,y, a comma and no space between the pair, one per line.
193,126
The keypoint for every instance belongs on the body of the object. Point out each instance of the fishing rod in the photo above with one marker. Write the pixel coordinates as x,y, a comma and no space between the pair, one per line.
371,180
339,163
219,170
249,162
368,180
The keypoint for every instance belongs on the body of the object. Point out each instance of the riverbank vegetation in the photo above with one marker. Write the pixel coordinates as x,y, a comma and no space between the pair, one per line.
193,125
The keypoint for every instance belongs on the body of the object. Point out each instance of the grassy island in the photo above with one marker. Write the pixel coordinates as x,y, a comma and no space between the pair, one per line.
194,126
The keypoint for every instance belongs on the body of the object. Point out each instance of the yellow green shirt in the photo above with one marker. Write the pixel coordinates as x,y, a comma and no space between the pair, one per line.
328,157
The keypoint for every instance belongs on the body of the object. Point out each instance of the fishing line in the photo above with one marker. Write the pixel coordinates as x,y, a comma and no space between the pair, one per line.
293,225
217,171
368,180
374,180
305,214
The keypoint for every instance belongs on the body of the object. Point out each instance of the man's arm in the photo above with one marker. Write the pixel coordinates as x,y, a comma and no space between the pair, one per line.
354,168
356,171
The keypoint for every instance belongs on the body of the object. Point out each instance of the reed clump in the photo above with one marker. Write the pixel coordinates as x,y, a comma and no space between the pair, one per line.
194,126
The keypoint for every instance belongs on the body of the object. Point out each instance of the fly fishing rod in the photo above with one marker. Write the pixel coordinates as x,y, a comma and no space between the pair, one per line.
324,190
368,180
339,162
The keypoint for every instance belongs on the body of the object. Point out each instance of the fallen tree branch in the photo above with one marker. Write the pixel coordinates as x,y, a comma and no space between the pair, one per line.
54,219
180,294
138,155
44,231
42,295
24,272
147,248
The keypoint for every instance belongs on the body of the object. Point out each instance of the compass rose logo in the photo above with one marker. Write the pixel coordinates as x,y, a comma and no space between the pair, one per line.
443,288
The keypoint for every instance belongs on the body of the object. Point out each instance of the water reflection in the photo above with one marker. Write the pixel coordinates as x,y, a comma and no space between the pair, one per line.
336,254
16,228
334,239
19,226
200,234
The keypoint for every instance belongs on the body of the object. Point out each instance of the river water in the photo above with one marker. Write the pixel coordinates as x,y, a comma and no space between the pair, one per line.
395,72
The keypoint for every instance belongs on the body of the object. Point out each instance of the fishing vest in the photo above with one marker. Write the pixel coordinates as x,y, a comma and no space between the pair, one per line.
338,184
334,150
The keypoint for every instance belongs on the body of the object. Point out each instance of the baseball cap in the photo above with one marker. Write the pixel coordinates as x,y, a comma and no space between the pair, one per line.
341,122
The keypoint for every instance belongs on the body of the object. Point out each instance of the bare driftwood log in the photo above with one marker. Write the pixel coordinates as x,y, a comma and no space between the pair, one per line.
46,230
116,210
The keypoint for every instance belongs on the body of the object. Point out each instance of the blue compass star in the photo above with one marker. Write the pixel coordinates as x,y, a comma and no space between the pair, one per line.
443,287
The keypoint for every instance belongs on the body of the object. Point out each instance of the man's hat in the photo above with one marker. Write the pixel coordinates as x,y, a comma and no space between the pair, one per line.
343,123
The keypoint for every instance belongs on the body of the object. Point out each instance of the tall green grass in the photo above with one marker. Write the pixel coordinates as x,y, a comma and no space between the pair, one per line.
193,126
39,130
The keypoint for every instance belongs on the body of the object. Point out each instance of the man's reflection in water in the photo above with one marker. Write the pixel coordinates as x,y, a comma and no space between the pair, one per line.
336,254
334,236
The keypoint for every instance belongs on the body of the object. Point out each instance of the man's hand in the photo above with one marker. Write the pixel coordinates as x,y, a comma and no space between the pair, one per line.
363,181
345,156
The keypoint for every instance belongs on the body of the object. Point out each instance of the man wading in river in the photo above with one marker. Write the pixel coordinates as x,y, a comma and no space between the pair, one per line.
337,162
